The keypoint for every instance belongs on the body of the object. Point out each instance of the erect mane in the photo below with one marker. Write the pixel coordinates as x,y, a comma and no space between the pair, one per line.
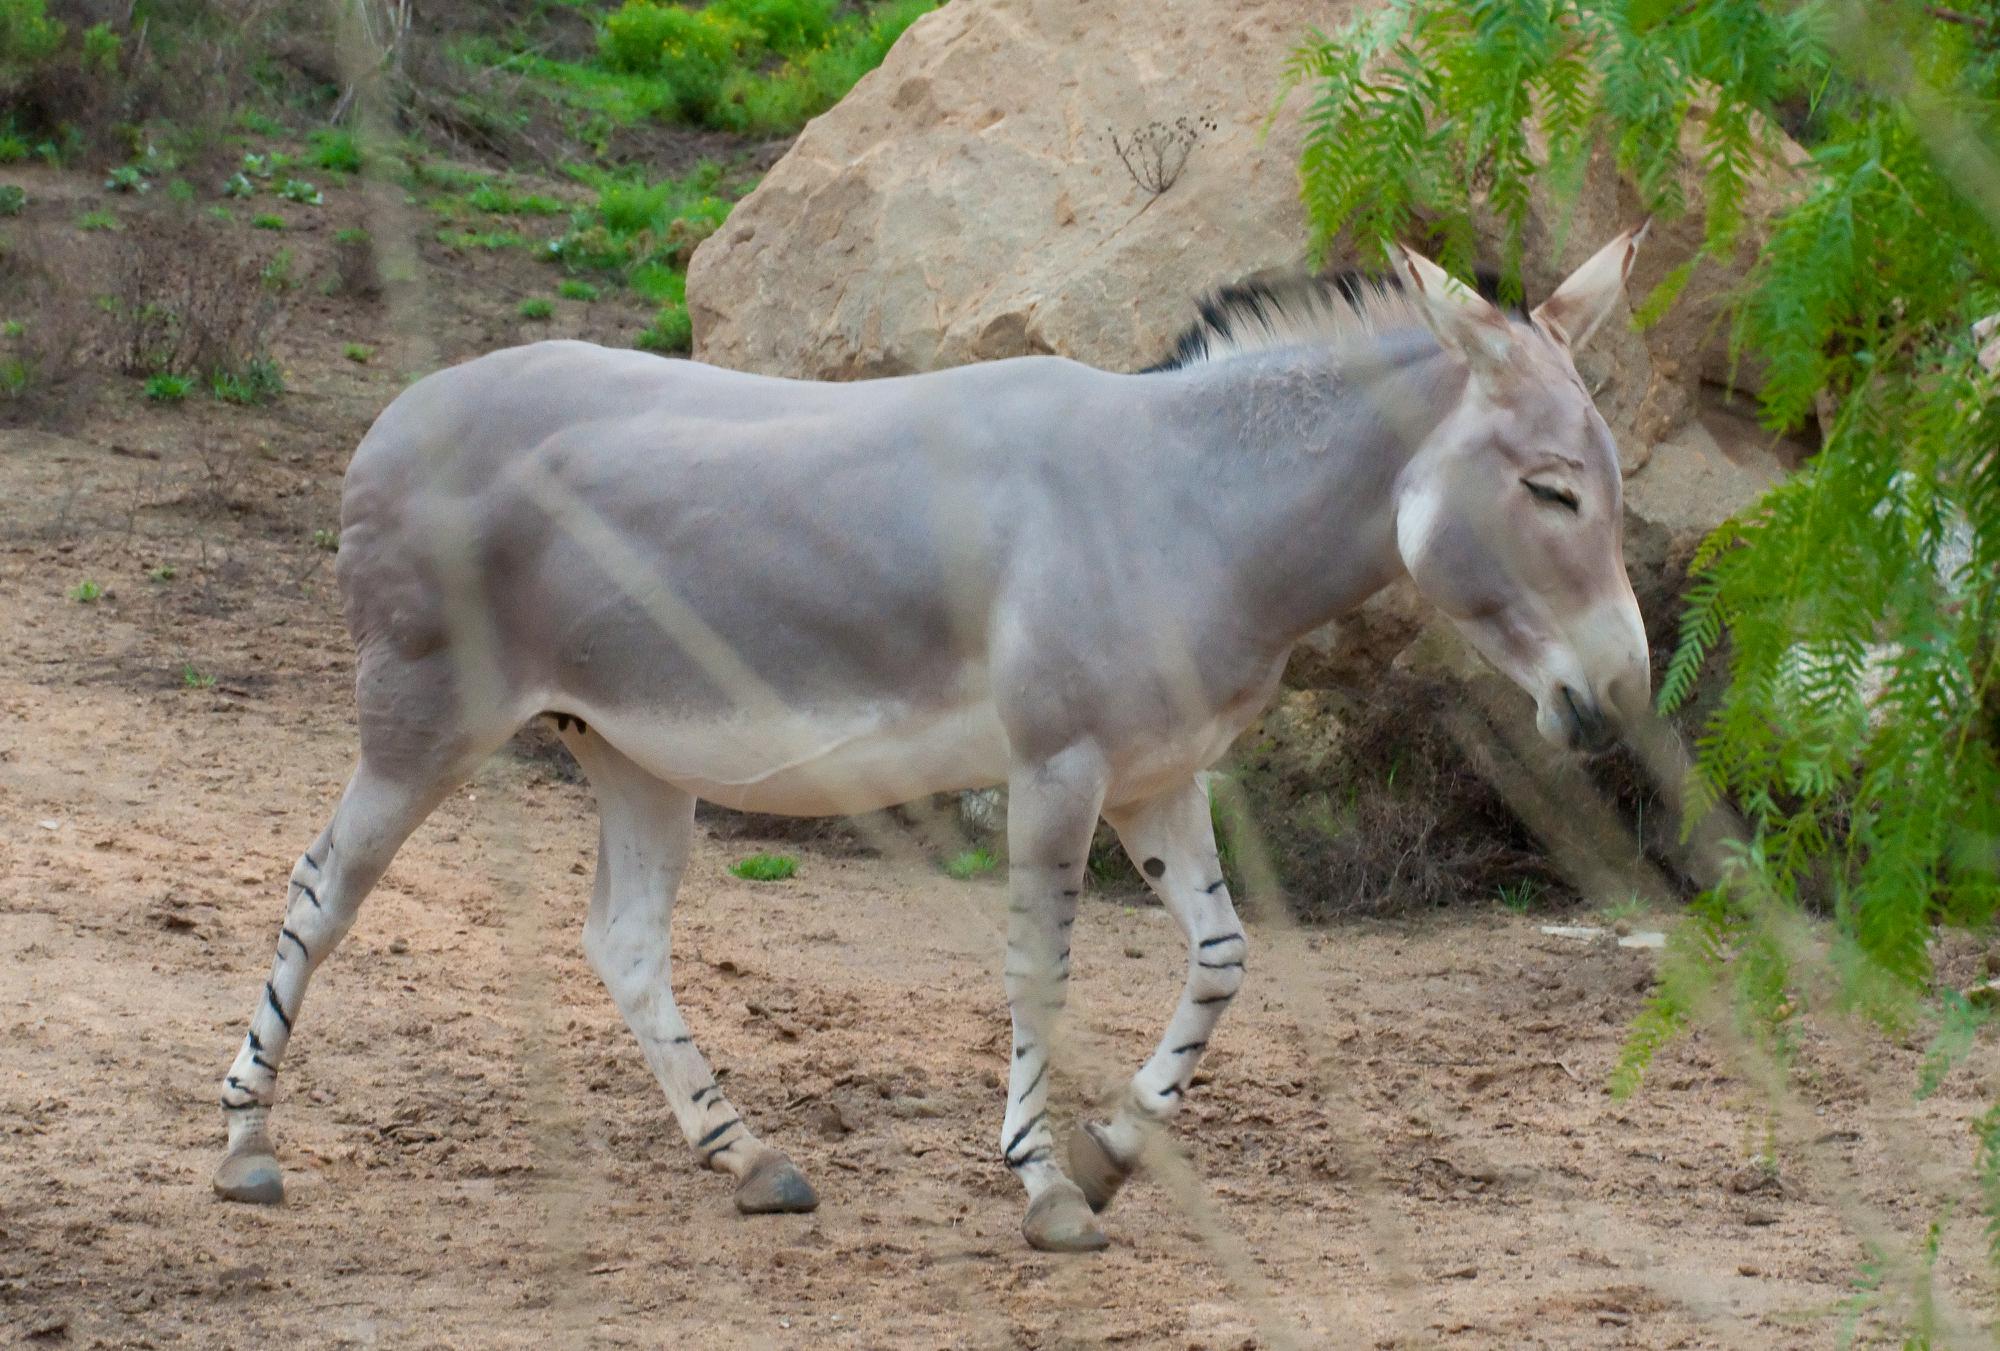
1323,311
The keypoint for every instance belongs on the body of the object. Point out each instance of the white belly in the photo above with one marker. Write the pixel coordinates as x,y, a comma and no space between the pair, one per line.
807,764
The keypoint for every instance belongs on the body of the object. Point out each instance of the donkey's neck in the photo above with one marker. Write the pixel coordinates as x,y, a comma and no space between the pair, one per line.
1304,448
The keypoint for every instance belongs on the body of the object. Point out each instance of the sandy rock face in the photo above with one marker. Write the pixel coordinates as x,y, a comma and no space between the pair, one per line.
965,202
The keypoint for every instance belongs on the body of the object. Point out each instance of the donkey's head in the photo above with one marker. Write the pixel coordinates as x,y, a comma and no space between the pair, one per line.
1510,515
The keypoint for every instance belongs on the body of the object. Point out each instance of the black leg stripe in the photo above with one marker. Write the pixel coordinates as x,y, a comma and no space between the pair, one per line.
1214,886
229,1106
1171,1091
309,894
1034,1081
1032,1156
287,933
255,1045
1216,998
307,858
1221,966
680,1041
1218,942
718,1150
259,1060
716,1134
1020,1051
1191,1046
1022,1133
271,998
701,1093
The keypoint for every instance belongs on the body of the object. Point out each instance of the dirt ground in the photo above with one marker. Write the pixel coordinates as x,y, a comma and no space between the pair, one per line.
1402,1137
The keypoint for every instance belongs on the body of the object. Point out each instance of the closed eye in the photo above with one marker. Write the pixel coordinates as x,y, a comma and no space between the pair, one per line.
1544,492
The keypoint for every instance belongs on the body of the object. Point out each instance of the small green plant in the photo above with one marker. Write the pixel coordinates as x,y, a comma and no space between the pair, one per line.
238,185
498,201
163,387
13,148
13,328
1521,897
351,235
259,124
127,178
336,150
326,540
86,592
265,220
218,212
192,679
536,307
671,332
765,867
100,48
13,199
181,191
258,381
480,239
359,353
970,864
277,274
298,190
573,288
97,220
257,166
166,572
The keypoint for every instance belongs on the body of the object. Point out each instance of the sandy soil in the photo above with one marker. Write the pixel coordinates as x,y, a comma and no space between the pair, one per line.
1401,1138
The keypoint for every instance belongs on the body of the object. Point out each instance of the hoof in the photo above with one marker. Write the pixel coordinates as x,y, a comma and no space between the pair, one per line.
250,1177
1096,1169
775,1187
1059,1221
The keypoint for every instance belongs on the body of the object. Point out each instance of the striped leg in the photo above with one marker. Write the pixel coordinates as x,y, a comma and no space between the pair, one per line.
1051,812
376,814
1172,840
645,830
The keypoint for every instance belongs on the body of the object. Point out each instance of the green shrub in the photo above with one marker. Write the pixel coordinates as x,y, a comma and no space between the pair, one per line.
127,178
298,190
335,149
27,37
238,185
536,307
13,199
86,592
813,81
13,148
165,388
691,51
97,220
266,220
180,190
358,353
100,49
765,867
783,26
569,288
671,332
257,381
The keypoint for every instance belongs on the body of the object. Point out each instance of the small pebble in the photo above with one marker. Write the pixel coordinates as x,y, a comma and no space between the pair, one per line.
1135,952
399,945
1749,1269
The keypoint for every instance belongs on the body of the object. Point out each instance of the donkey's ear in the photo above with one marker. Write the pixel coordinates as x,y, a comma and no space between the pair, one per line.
1586,300
1463,320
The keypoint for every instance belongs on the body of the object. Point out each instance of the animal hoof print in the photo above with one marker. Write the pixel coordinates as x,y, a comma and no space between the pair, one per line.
1096,1170
1060,1221
253,1178
775,1187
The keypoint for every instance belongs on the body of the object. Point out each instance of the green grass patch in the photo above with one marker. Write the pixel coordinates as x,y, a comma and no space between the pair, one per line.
480,239
536,307
970,864
572,288
97,220
335,150
13,199
765,867
496,200
86,592
193,679
166,388
266,220
358,353
258,382
670,334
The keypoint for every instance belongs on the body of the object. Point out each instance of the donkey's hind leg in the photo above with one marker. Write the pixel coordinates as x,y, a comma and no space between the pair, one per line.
414,750
645,828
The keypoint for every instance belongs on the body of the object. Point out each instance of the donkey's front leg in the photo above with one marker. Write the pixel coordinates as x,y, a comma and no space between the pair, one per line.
1172,840
1051,811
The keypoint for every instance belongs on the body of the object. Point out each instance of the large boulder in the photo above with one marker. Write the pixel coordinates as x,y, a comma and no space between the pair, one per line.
966,201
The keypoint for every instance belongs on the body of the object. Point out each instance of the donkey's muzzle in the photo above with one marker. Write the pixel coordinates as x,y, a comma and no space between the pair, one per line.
1589,730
